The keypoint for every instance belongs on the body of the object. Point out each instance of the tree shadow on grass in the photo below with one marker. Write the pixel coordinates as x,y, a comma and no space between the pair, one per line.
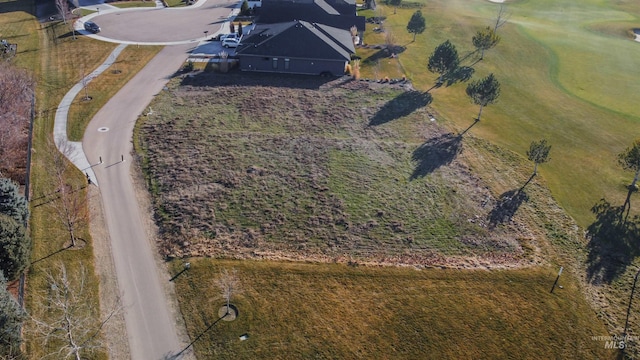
613,242
460,74
434,153
507,205
70,34
384,52
402,105
68,247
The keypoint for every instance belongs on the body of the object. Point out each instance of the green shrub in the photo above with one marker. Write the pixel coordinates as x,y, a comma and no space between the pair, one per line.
15,247
12,203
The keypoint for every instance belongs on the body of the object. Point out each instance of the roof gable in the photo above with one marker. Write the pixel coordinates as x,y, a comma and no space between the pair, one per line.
298,39
336,13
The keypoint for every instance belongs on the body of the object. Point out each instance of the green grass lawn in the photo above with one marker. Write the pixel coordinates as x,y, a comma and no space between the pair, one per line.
331,311
102,88
57,62
547,64
61,57
568,74
133,4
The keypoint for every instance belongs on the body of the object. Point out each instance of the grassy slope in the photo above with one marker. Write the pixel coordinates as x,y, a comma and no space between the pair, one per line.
311,311
540,99
541,79
18,25
187,184
56,62
546,50
551,96
569,73
58,72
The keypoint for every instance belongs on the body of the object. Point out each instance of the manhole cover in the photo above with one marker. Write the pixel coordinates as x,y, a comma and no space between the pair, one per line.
103,129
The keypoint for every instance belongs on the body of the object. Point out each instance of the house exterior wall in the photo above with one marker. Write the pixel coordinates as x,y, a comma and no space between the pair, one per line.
293,66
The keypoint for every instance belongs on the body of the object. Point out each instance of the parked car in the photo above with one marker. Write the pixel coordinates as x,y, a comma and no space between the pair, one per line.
221,37
91,27
231,42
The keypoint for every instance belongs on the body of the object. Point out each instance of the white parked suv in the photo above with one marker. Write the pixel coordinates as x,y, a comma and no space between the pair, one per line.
229,36
231,42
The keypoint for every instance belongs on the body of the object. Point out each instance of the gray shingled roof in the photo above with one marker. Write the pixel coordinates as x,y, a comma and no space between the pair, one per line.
298,39
336,13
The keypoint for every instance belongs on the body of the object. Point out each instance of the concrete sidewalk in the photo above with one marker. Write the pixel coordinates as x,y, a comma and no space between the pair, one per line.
73,149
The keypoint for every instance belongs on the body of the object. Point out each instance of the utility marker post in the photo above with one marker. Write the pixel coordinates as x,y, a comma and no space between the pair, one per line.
557,278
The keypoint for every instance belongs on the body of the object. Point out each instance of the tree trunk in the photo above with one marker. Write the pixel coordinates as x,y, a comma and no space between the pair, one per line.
482,54
535,169
635,180
414,37
480,113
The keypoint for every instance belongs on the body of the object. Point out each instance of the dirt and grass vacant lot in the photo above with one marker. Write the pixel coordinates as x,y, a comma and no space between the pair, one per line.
261,166
340,174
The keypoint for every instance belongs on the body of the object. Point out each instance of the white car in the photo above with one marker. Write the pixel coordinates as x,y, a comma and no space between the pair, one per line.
229,36
231,42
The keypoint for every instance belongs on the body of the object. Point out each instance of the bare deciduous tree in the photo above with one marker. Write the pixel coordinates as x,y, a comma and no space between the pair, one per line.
224,61
16,91
63,9
356,69
71,204
354,35
502,17
229,283
70,327
390,41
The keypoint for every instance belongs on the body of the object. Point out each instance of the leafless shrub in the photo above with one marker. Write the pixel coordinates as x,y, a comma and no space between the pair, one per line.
229,284
63,9
224,62
71,204
16,91
68,329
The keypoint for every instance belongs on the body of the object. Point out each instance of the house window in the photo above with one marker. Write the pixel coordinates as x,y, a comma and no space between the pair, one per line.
286,64
275,63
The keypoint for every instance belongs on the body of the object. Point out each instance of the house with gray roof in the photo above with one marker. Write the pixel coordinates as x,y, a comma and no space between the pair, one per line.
297,47
340,14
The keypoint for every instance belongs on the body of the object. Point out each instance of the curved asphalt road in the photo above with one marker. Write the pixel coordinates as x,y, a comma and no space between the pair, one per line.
150,322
